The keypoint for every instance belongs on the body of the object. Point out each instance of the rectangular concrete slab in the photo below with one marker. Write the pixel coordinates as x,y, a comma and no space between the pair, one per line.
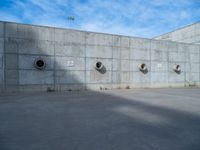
1,29
27,77
99,51
70,77
99,39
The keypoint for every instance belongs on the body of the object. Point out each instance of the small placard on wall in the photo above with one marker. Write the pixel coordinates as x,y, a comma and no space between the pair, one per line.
159,65
70,63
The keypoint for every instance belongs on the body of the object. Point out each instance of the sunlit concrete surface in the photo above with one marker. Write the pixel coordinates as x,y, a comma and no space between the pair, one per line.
188,34
140,119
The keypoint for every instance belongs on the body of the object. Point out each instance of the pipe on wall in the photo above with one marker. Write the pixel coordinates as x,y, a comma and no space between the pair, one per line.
99,66
142,67
39,64
177,68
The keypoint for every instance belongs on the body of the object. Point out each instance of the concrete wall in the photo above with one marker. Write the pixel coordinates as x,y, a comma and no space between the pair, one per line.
71,55
189,34
1,56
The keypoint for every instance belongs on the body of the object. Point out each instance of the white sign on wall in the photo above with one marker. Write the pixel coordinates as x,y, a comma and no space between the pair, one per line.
70,63
159,65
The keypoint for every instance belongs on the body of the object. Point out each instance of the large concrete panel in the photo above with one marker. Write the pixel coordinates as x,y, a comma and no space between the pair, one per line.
11,61
116,77
1,45
125,77
99,39
140,77
159,45
159,77
159,55
172,46
97,77
11,45
69,36
11,77
192,67
176,78
125,53
139,43
176,57
116,65
1,61
1,78
37,32
1,29
99,51
26,46
116,41
116,52
192,78
28,77
70,77
70,50
125,42
29,46
125,65
183,47
11,29
140,54
193,49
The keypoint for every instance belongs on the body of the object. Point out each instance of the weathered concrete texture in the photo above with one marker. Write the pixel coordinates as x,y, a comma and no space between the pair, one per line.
157,119
1,56
70,57
188,34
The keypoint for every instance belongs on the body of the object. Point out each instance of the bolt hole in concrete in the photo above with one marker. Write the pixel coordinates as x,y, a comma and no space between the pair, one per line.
100,67
40,64
143,68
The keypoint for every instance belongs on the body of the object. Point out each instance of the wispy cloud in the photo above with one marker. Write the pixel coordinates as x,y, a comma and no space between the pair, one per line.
132,17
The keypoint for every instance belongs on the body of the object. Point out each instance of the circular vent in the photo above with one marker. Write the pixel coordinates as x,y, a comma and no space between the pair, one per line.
39,64
99,65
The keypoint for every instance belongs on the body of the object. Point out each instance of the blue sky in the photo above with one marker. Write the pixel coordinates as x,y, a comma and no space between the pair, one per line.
143,18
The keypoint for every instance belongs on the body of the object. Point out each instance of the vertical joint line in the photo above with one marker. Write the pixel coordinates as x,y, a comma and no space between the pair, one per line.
54,59
112,62
85,82
4,59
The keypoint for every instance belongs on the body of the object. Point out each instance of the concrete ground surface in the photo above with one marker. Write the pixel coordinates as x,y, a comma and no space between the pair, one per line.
139,119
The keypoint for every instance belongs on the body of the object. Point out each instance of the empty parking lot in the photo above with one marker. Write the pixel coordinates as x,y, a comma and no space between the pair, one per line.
141,119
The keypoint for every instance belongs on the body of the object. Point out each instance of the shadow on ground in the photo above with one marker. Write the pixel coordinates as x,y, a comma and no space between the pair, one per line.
93,120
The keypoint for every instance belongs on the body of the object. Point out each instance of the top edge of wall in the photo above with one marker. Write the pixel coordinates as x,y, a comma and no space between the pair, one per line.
46,26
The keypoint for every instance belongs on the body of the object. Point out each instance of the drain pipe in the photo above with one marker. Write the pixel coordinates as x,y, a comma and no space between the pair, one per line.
177,68
39,64
142,67
99,66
